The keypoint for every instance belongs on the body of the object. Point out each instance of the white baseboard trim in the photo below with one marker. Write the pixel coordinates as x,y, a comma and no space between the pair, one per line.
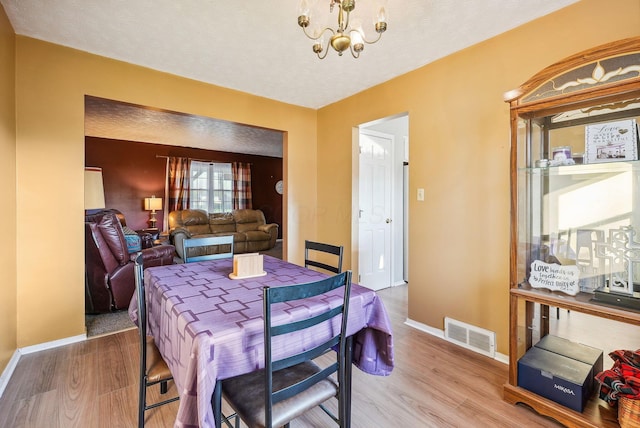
504,359
53,344
423,327
8,371
440,334
13,362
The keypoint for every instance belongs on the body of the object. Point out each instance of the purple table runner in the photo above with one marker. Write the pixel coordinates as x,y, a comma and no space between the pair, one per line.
209,327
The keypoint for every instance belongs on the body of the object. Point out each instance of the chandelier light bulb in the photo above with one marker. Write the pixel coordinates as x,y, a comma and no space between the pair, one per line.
303,15
382,14
303,8
381,21
356,37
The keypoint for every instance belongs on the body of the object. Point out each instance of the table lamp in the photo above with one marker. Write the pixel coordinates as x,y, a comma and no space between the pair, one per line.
152,204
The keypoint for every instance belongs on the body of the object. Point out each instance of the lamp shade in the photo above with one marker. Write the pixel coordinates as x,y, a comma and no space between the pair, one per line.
152,203
93,188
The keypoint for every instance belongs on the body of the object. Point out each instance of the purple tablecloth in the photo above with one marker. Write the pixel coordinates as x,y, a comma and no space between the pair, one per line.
209,327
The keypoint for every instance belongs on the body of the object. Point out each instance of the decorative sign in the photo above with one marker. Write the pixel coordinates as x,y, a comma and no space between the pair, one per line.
555,277
611,141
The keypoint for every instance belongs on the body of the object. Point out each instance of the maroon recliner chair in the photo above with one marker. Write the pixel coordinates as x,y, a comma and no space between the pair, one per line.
109,266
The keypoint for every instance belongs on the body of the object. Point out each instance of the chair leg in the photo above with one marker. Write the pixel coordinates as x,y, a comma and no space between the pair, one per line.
216,403
164,387
142,402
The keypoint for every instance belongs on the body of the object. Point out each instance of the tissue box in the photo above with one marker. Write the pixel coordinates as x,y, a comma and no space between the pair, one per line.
556,377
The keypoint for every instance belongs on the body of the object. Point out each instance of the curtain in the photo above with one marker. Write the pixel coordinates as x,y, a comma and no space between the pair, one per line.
178,184
241,185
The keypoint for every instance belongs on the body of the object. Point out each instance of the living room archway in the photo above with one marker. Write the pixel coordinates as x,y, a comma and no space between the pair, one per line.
131,143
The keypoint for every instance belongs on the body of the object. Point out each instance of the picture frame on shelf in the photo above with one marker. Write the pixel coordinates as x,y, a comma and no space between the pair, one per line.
611,141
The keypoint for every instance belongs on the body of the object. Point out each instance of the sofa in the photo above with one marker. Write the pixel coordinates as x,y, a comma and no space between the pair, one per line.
109,263
250,231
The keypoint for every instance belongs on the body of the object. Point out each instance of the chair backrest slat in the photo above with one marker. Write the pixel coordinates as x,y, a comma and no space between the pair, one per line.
209,243
313,249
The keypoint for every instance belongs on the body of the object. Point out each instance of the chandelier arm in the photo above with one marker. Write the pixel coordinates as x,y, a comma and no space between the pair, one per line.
304,30
354,54
346,21
369,42
326,51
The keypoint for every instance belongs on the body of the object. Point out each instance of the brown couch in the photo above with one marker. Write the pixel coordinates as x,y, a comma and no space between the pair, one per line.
250,231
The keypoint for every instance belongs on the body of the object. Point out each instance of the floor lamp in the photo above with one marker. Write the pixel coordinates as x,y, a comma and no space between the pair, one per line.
93,199
93,189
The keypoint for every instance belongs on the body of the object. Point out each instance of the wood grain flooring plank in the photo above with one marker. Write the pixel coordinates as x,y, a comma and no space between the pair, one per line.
78,386
114,372
37,411
434,384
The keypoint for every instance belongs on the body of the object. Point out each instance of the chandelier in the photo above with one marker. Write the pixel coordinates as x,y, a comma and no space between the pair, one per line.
347,36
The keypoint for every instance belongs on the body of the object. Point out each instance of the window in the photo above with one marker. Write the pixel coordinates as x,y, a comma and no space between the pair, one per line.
211,187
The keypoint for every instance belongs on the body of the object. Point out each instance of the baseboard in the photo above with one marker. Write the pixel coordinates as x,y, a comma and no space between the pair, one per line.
425,328
8,371
440,334
13,362
53,344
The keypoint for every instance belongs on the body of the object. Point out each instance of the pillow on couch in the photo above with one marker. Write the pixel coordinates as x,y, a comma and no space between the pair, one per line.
134,243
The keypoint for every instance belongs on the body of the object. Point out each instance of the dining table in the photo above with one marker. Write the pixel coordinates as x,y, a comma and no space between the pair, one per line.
209,327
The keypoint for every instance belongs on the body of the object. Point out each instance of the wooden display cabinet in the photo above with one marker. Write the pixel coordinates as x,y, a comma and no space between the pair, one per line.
575,201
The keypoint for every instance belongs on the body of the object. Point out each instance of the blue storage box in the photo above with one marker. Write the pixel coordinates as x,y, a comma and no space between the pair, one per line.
576,351
556,377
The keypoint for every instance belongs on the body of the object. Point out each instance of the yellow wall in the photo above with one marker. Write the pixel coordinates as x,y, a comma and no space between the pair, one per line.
459,153
50,87
7,191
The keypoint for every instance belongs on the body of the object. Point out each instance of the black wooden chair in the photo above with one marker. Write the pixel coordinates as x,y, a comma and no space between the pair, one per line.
207,248
288,388
314,250
153,368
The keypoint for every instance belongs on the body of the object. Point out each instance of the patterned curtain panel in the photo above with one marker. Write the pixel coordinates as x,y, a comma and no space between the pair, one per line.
241,185
178,183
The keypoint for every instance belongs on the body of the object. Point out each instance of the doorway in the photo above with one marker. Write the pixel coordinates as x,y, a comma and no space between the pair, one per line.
380,202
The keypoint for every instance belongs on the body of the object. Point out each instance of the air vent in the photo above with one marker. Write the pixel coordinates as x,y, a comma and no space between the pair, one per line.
471,337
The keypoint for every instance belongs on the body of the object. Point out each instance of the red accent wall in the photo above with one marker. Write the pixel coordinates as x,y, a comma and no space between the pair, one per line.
132,171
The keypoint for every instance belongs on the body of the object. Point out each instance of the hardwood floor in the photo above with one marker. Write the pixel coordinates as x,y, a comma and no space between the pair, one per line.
434,384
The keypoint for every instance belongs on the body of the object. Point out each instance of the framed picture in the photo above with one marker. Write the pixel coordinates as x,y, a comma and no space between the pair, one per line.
611,141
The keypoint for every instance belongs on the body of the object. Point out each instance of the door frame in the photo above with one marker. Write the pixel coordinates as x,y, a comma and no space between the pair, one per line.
396,231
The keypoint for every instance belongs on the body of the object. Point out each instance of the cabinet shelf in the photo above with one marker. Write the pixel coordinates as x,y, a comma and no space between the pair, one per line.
597,414
580,303
581,169
586,215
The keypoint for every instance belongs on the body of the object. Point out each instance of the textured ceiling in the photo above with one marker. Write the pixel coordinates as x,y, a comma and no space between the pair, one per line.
120,121
256,46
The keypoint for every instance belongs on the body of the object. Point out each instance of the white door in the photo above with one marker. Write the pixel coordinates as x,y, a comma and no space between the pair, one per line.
375,191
